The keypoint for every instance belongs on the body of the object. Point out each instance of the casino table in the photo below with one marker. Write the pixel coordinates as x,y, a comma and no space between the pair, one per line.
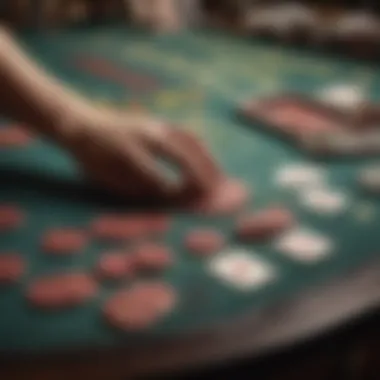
196,80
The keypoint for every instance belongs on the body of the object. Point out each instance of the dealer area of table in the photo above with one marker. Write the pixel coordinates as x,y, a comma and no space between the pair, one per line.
198,80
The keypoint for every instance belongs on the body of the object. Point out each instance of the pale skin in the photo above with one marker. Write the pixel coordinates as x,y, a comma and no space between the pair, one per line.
116,149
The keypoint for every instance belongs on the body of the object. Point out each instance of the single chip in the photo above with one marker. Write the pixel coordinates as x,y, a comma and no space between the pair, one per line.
14,136
304,245
11,217
325,201
12,267
153,257
300,176
243,270
61,290
264,224
119,227
140,307
228,197
64,241
116,266
158,223
204,242
164,295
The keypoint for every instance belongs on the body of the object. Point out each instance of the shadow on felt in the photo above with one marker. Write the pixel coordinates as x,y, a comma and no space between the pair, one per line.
53,186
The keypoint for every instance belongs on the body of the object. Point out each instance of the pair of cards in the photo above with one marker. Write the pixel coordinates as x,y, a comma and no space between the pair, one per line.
247,271
313,191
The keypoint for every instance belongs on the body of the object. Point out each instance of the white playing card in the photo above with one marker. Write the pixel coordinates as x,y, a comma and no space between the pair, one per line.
304,245
345,96
241,269
324,201
299,176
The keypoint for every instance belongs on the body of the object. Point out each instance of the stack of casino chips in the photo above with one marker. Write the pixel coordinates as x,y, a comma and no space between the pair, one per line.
354,33
358,34
284,21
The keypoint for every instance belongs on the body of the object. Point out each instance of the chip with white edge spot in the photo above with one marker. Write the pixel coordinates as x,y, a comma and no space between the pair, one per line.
344,96
300,176
241,269
304,245
324,200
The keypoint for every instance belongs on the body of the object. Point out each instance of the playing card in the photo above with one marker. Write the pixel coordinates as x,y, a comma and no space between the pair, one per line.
345,96
304,245
297,176
324,200
241,269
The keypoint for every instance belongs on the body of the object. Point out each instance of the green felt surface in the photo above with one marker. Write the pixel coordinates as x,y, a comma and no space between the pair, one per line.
202,78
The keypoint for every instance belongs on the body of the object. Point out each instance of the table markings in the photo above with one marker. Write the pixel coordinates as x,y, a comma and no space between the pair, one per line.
364,212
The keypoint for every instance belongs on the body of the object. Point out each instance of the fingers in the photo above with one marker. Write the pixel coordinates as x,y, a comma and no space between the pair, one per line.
142,166
199,149
198,168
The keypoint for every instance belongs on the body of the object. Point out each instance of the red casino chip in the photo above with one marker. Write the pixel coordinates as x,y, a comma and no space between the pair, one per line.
163,295
116,266
61,290
140,307
64,241
265,224
204,242
228,197
14,136
157,223
118,227
12,267
153,257
11,217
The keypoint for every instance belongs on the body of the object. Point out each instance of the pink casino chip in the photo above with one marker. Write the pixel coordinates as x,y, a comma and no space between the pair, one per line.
119,227
228,197
116,266
204,242
157,223
153,257
61,290
11,217
295,119
14,136
12,267
140,307
264,224
63,241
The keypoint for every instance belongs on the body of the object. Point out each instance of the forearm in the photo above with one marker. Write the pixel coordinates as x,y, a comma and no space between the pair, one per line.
30,95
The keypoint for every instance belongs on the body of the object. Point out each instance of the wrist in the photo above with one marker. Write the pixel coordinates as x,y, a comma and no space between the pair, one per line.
65,123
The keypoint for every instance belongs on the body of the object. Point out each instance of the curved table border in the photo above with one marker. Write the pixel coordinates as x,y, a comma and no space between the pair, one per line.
294,321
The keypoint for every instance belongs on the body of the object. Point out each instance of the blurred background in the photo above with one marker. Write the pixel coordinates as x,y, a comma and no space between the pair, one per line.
350,28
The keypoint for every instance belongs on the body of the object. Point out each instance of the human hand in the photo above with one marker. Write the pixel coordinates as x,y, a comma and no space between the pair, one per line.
121,151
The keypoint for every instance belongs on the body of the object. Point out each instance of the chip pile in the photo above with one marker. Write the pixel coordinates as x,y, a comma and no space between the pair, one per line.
137,304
